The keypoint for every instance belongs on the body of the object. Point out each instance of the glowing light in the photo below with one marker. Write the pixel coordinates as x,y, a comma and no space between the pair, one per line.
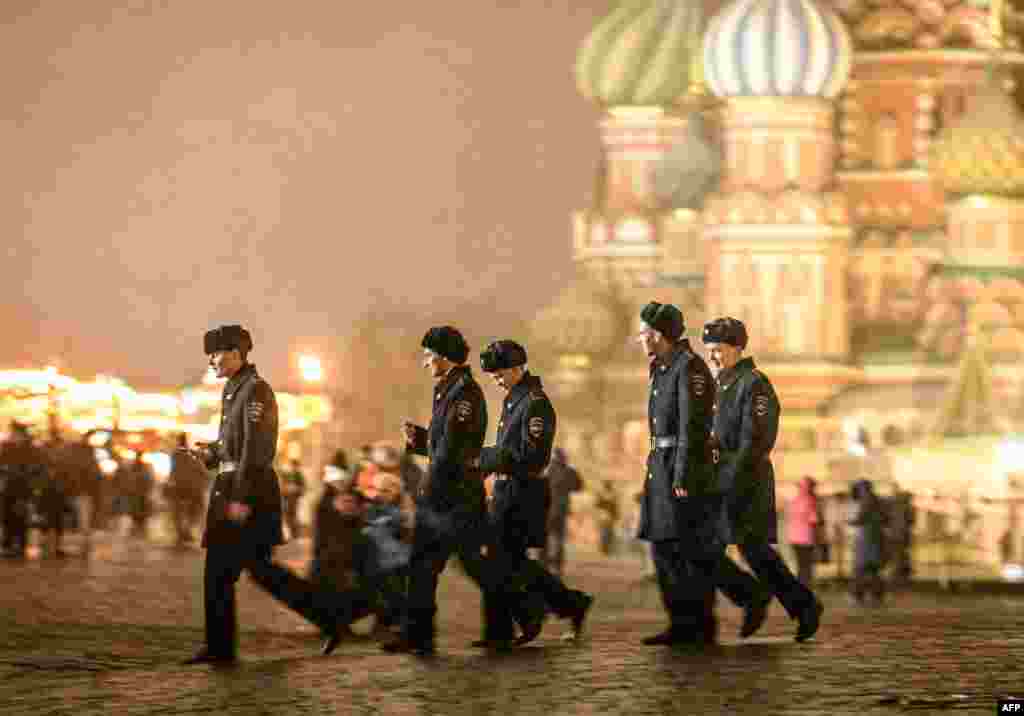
160,462
634,230
310,368
108,467
1010,457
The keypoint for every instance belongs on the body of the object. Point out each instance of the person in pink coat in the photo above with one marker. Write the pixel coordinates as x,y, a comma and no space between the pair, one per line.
803,522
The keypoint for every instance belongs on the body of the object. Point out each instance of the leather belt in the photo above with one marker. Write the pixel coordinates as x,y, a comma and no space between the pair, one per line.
501,477
227,466
663,441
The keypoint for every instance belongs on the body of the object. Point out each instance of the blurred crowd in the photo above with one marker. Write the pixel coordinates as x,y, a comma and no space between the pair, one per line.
55,485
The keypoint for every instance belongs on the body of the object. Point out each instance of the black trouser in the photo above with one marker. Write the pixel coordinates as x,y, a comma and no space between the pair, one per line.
224,564
438,536
511,554
686,579
805,559
772,574
737,584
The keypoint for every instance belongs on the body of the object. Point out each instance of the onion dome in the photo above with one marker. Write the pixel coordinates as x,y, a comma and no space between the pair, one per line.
983,151
776,48
583,320
642,53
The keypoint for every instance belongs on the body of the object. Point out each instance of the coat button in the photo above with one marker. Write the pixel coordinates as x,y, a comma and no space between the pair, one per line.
650,476
655,391
654,420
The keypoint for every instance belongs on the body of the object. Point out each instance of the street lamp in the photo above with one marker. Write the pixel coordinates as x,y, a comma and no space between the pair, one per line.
310,368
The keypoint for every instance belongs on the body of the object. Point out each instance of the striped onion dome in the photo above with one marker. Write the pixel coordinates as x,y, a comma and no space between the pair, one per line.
641,54
776,48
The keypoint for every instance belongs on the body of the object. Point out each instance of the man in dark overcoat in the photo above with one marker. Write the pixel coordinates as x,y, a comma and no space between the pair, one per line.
520,496
680,511
243,520
450,507
746,423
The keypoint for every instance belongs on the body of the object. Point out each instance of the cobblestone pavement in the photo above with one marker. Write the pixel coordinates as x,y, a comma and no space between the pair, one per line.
105,636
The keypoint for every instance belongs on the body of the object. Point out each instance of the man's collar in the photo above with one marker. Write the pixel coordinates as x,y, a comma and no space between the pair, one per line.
525,384
453,374
729,375
678,348
240,375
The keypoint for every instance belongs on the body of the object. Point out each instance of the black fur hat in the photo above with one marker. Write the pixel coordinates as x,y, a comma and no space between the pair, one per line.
226,338
664,318
502,354
726,330
447,342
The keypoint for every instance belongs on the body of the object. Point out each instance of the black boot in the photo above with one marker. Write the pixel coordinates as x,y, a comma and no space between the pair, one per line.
416,637
810,620
576,621
754,615
530,613
672,635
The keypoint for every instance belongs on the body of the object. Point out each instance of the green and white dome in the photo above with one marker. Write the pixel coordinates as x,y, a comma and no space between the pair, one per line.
644,53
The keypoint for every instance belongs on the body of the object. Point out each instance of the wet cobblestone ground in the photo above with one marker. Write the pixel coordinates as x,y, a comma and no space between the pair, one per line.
105,636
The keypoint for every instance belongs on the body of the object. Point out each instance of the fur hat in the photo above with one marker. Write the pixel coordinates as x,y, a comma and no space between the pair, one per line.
726,330
447,342
226,338
501,355
664,318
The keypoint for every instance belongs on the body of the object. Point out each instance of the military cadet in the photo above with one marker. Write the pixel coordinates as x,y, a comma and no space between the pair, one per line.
746,423
520,497
243,521
450,508
680,511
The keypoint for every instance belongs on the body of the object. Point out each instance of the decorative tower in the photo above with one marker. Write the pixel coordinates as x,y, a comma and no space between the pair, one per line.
641,64
640,240
916,65
976,294
778,232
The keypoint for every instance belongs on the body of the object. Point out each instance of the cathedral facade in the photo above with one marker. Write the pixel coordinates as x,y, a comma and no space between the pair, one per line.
846,178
